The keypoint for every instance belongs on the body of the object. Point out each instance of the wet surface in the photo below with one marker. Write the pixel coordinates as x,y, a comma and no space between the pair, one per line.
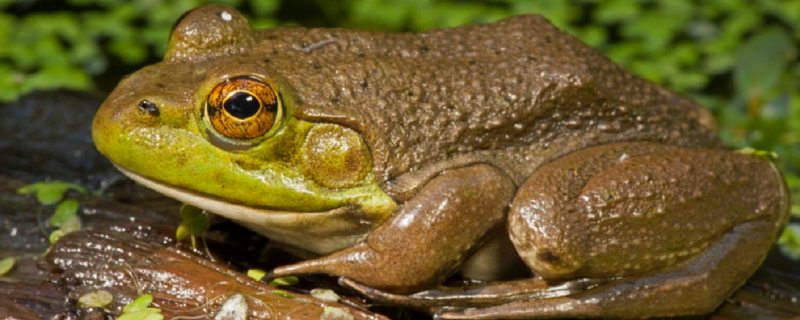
129,259
47,135
126,245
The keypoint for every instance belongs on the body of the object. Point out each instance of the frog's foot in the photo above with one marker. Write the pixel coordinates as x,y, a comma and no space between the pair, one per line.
483,295
696,286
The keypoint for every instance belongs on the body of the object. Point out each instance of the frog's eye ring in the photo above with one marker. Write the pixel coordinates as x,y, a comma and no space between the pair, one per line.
242,108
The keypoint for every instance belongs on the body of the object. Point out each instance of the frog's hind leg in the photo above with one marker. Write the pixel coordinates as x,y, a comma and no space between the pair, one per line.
677,229
696,286
443,299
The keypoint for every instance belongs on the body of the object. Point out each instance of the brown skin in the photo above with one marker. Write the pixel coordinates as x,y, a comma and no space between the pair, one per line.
404,158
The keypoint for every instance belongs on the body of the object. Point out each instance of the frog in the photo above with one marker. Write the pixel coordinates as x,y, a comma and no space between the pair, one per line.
509,154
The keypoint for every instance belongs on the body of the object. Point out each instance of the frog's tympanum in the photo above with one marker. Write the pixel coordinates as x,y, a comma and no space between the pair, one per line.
510,153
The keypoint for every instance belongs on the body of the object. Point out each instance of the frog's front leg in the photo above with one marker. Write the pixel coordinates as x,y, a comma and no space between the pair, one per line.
428,237
677,230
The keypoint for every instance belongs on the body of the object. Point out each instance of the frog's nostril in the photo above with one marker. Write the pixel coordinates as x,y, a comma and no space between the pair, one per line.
149,107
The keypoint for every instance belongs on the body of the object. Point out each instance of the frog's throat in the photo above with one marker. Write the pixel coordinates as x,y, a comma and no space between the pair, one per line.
300,229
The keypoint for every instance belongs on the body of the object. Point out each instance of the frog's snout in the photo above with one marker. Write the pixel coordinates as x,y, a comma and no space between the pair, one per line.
121,116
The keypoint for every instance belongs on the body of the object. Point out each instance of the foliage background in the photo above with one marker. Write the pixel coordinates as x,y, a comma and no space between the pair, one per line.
737,57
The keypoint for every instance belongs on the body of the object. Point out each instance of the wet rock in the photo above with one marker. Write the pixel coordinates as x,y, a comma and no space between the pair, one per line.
47,135
132,259
22,300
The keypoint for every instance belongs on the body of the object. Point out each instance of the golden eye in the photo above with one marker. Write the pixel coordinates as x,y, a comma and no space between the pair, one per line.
242,108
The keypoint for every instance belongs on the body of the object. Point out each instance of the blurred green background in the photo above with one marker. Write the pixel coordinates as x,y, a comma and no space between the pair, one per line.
737,57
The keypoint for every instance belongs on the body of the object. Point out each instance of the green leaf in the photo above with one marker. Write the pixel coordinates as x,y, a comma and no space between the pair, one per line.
55,235
49,196
741,22
684,81
256,274
182,232
141,303
560,13
284,281
64,211
265,7
128,50
593,35
624,53
718,62
761,62
6,265
58,76
144,314
48,193
788,11
71,224
96,299
282,293
190,212
789,241
655,30
8,83
615,11
194,222
651,71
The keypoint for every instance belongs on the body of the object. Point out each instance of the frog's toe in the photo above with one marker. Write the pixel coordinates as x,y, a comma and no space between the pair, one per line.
382,297
543,309
360,288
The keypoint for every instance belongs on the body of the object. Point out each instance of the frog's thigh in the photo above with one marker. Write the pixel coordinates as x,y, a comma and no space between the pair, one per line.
629,208
665,219
428,237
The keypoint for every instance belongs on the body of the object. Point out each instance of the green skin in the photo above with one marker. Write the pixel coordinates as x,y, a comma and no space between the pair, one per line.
180,145
498,151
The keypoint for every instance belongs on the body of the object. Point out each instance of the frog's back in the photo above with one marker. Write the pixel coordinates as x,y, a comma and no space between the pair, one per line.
517,93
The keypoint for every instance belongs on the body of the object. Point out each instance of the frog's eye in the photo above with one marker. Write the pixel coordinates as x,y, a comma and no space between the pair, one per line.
242,108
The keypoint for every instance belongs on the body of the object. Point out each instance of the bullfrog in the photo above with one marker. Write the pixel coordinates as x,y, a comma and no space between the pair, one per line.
510,153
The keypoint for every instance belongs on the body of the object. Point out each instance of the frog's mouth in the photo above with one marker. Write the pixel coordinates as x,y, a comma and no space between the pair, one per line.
320,232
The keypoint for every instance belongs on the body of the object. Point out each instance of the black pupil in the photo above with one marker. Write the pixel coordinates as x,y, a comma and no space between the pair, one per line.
242,105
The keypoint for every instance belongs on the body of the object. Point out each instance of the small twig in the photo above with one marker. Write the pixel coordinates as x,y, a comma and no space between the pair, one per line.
208,252
317,45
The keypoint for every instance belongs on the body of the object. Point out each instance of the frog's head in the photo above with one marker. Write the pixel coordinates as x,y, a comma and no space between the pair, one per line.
214,127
